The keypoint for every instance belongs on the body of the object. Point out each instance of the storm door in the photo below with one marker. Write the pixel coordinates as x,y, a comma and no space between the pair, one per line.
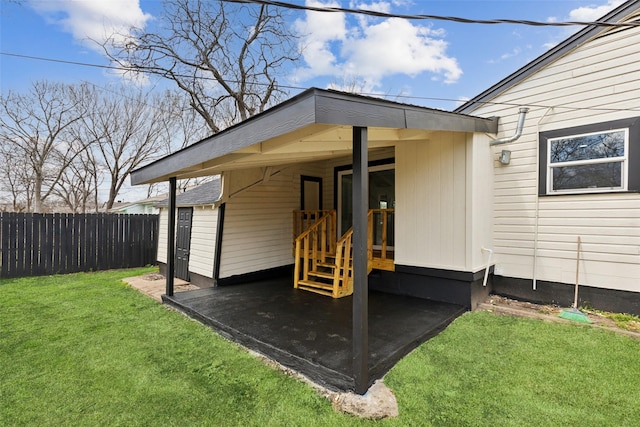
183,243
382,195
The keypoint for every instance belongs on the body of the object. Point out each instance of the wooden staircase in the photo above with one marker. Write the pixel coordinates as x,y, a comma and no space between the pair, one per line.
324,265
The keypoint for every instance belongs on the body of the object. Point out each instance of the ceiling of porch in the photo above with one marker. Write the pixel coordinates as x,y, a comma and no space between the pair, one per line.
314,125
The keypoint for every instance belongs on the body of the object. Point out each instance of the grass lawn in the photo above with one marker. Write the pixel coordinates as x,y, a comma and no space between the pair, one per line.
85,349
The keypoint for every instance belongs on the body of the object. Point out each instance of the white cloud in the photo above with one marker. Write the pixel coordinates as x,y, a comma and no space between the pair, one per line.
582,14
366,50
593,12
92,20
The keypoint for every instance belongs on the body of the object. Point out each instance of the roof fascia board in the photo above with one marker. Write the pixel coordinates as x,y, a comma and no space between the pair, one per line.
298,113
314,106
340,109
548,57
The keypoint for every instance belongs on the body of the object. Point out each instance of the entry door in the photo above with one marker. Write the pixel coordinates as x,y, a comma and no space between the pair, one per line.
311,193
382,195
183,243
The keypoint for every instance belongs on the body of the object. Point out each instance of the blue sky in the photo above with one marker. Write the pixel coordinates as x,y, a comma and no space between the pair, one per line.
426,60
431,63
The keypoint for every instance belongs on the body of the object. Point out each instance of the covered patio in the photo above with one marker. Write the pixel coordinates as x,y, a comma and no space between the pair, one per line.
439,229
312,334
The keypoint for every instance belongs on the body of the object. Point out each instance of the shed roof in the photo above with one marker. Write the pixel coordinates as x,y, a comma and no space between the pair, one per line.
204,194
626,11
313,125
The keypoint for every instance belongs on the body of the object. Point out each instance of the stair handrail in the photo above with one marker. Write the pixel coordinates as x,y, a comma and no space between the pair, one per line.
308,240
344,267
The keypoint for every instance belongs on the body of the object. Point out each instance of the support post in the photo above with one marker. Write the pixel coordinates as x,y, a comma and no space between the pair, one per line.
360,276
218,254
171,237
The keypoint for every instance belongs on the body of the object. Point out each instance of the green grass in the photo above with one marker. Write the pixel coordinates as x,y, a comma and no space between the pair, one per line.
85,349
630,322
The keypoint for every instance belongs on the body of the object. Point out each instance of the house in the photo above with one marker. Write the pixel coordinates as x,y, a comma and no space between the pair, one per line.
406,200
307,159
574,171
197,218
144,206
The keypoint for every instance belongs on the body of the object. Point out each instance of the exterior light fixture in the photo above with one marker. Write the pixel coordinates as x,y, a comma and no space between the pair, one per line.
505,157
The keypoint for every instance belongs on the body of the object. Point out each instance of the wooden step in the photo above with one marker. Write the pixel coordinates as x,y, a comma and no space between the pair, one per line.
317,287
322,274
327,265
314,284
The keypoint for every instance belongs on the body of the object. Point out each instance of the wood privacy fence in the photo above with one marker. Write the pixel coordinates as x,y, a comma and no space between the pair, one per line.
41,244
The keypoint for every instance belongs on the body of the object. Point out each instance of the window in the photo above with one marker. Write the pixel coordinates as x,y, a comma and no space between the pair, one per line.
590,162
591,159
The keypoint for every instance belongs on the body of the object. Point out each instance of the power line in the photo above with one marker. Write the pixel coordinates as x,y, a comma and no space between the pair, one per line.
301,88
378,14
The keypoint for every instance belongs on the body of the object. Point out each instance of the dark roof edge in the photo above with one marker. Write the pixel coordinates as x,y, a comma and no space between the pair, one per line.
307,108
227,130
548,57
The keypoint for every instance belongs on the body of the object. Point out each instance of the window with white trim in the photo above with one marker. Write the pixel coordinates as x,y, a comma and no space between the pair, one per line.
598,158
589,162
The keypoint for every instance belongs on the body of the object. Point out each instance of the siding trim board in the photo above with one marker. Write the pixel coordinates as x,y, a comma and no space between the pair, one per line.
257,276
218,251
456,287
562,294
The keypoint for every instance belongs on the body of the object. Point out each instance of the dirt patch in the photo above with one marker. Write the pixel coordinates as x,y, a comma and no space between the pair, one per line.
152,276
503,305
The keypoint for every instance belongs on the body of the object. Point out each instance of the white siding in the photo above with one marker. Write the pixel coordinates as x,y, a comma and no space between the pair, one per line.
258,222
597,82
162,235
203,240
431,202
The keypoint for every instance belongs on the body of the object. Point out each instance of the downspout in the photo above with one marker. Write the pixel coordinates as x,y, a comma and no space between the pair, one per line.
486,270
537,210
519,127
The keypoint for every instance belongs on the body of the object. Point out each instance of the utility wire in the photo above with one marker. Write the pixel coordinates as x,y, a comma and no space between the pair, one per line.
378,14
301,88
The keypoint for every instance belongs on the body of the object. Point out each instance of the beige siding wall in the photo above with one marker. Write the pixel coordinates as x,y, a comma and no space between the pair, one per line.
431,202
258,224
162,236
597,82
203,240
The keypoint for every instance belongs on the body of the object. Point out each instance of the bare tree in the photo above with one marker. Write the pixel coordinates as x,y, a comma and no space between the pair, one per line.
38,125
78,185
16,180
129,127
225,57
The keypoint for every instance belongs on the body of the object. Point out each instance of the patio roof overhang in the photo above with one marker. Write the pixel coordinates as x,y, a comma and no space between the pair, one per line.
314,125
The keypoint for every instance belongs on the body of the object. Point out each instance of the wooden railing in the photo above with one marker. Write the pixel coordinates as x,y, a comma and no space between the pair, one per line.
325,266
314,245
343,273
379,251
303,219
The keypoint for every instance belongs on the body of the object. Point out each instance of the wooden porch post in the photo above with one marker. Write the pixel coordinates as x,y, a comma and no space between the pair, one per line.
171,237
360,277
217,257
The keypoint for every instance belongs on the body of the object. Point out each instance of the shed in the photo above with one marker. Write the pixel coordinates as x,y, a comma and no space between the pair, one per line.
197,223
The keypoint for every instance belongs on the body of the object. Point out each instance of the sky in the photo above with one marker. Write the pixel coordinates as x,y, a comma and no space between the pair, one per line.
423,62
